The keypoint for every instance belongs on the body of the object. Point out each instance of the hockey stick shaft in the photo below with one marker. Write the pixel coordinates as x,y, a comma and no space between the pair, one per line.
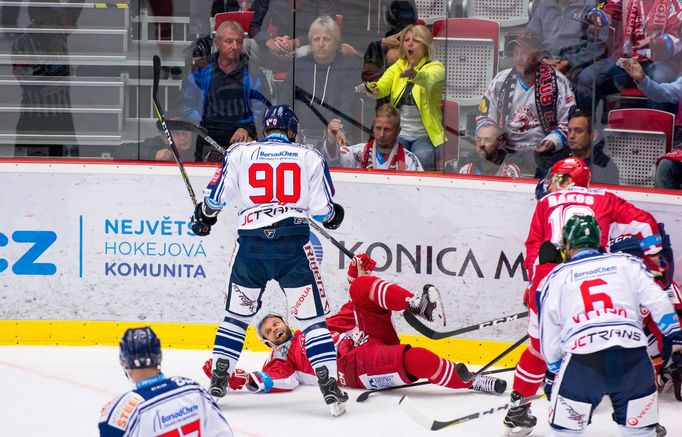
435,425
504,353
166,131
333,240
417,324
191,127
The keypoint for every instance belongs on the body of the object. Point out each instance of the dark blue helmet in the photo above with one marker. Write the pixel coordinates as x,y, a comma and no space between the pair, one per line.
140,348
280,117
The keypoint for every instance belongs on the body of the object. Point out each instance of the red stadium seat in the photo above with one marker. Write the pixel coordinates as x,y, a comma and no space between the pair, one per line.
242,17
451,123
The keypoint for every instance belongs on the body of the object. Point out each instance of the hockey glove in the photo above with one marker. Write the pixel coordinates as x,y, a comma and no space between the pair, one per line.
208,368
549,383
360,262
336,218
201,225
238,379
259,382
548,253
671,343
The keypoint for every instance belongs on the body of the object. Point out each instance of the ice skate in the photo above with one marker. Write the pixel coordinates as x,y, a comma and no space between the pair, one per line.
676,377
219,377
519,421
333,396
429,305
489,384
660,430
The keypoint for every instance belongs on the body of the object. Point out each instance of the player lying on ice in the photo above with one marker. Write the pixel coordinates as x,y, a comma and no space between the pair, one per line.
370,355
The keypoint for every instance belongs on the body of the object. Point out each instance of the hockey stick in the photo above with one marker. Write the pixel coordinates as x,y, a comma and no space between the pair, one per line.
424,330
333,240
434,425
191,127
164,127
482,371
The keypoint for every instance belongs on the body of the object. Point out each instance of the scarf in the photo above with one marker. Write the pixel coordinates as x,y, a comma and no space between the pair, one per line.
395,161
546,93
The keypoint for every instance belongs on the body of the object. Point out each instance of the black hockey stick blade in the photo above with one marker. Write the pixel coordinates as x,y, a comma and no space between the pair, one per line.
503,354
362,397
429,422
424,330
156,61
333,240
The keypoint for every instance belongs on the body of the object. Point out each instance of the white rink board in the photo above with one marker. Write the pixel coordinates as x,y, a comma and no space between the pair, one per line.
451,232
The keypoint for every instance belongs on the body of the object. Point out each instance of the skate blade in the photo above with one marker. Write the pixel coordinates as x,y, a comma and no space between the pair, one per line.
337,408
517,432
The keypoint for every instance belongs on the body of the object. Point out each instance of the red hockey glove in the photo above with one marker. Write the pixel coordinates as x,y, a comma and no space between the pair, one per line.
526,295
238,379
208,368
365,262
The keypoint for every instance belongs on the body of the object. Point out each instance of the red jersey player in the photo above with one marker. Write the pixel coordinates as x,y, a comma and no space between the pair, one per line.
370,354
569,195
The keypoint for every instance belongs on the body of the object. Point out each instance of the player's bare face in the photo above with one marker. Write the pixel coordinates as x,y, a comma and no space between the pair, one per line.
323,46
276,331
385,131
414,49
229,45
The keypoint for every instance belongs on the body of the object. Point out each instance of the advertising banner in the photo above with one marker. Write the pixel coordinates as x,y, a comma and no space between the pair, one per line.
112,242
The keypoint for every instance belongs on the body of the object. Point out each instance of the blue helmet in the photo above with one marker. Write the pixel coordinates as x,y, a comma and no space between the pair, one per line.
280,117
140,348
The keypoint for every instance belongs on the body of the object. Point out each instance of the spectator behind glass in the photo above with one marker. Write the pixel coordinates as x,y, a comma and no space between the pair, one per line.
219,93
562,26
383,53
415,84
659,92
322,81
536,136
47,106
382,152
581,137
156,148
279,30
642,33
488,158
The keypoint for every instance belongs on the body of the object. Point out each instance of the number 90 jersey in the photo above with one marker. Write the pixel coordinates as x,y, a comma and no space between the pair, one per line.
273,180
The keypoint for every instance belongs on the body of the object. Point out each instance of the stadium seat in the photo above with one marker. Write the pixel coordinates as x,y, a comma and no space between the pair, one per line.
635,138
451,122
468,49
431,10
507,13
242,17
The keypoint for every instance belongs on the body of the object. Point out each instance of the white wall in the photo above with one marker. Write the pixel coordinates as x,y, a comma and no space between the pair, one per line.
458,231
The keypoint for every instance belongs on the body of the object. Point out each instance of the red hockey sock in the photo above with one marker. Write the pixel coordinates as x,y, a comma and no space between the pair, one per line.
423,363
387,295
529,374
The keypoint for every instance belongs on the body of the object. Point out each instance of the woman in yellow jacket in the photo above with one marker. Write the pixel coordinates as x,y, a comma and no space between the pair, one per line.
415,84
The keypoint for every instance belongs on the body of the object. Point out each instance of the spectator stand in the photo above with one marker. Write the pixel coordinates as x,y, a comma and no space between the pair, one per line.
429,11
635,139
511,15
468,49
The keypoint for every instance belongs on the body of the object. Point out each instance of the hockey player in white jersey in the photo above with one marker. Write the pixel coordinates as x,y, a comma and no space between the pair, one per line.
591,335
279,184
158,406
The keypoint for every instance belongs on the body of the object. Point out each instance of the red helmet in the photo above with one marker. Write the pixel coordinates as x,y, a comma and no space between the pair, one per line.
575,168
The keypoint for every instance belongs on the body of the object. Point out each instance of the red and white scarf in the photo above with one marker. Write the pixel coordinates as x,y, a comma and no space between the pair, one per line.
395,161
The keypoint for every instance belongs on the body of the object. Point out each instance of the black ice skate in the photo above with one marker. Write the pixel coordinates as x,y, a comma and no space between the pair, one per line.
676,376
660,430
489,384
429,305
519,421
333,396
219,378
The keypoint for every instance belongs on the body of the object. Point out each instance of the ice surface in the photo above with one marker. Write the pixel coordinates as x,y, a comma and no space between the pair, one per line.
59,391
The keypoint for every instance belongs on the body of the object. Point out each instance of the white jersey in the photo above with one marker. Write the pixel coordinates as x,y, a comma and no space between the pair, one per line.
272,180
592,303
352,156
522,125
161,406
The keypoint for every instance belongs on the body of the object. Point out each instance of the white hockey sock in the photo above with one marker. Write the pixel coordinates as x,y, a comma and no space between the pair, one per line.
229,341
319,348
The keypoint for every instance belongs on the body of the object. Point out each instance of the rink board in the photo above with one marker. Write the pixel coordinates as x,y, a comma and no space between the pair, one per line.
110,242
